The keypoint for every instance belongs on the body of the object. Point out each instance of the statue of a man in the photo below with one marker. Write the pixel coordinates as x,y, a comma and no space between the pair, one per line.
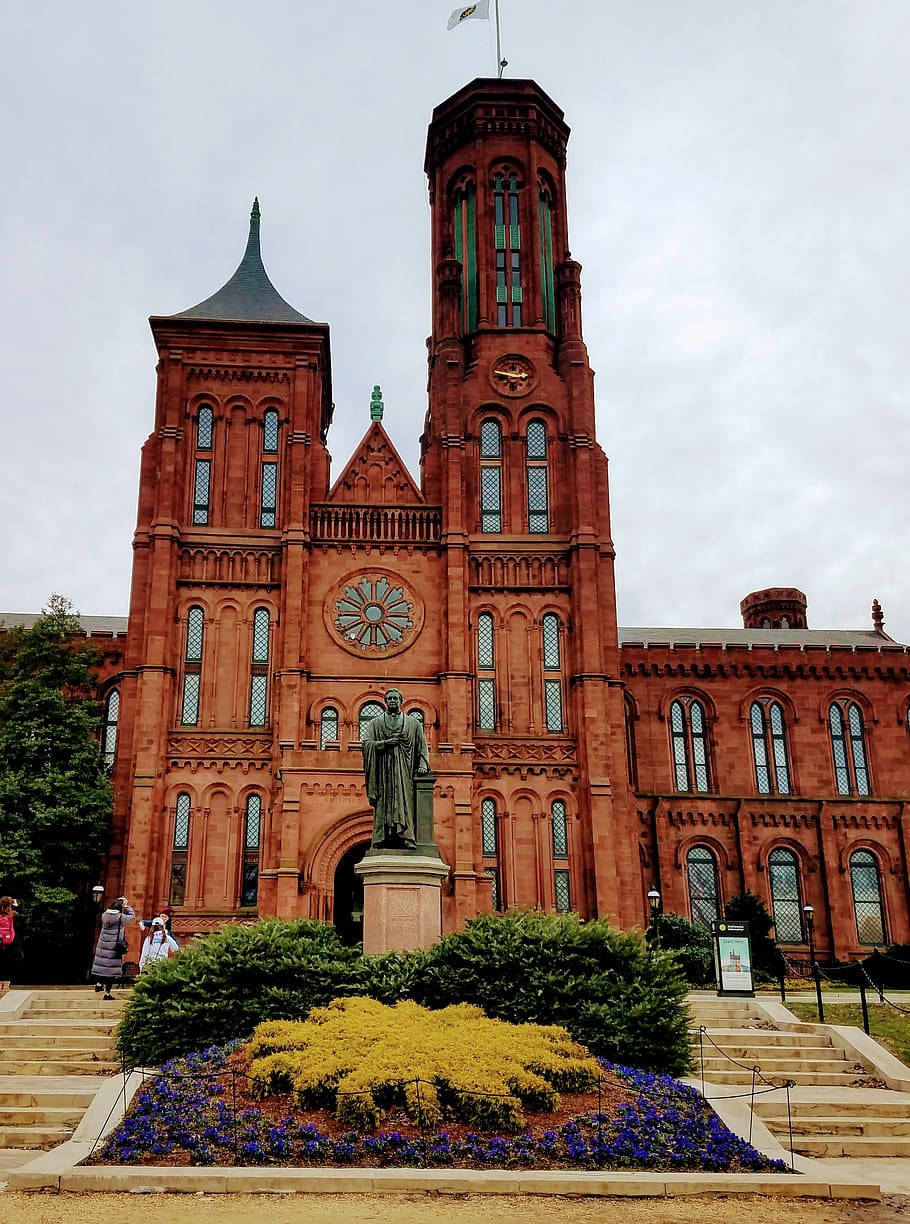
394,753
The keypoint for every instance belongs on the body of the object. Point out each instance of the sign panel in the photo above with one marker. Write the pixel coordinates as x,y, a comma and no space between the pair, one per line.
733,958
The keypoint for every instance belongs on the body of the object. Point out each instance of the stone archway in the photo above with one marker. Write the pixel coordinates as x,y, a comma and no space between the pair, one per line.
348,896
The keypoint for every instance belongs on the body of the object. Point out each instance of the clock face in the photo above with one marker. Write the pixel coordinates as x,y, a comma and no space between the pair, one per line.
512,375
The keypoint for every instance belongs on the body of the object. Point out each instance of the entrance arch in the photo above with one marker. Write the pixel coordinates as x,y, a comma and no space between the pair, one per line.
348,896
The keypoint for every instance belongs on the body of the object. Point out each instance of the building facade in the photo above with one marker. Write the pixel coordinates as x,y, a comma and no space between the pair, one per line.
577,764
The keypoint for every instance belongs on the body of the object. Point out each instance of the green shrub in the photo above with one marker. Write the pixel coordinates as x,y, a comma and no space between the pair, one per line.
221,987
622,1002
692,946
767,959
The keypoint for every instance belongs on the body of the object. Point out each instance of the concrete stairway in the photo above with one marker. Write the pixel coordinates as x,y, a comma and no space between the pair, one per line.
865,1122
53,1051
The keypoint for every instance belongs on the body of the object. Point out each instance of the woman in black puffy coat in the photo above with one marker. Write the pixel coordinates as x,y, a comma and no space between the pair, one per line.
107,966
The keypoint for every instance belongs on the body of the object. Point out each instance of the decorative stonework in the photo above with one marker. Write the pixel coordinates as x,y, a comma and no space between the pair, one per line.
525,751
234,746
373,614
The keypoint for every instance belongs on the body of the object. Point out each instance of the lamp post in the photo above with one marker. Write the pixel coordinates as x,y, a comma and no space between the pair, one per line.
654,903
809,913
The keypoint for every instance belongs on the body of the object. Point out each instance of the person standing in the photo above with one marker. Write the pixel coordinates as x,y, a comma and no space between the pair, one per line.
7,940
110,949
157,945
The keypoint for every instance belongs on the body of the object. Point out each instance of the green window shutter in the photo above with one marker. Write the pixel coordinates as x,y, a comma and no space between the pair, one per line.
516,294
502,293
499,237
514,237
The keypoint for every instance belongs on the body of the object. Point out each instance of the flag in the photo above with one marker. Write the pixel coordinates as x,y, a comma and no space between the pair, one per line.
480,11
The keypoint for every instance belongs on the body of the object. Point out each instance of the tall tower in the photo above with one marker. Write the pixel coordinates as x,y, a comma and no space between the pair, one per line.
509,452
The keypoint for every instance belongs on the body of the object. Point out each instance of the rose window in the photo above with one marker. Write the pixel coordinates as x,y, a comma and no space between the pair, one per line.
373,613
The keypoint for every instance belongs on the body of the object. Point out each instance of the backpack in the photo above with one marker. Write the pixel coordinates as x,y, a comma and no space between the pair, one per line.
7,930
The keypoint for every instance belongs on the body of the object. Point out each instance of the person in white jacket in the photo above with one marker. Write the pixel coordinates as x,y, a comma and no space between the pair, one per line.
157,945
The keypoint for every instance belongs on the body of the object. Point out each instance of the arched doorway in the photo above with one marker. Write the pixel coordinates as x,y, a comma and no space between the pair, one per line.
348,896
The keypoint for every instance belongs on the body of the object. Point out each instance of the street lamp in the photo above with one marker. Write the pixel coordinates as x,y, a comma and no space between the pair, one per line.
809,914
654,903
97,893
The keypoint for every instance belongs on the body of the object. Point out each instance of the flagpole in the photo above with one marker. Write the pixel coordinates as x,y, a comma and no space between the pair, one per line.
500,62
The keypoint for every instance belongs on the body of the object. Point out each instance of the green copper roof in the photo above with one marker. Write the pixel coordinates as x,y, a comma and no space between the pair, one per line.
249,296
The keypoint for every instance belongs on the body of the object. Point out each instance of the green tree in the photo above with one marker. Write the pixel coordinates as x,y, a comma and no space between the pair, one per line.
55,800
767,959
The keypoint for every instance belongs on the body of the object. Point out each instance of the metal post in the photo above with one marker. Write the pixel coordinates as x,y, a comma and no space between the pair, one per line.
783,989
864,1005
809,913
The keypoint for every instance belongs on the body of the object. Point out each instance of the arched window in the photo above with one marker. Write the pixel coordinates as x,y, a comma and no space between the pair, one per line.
489,831
868,909
465,227
109,730
552,683
202,478
547,281
689,738
180,846
769,747
507,245
490,476
249,883
416,713
268,483
192,667
704,891
537,481
259,669
486,673
368,711
560,839
786,907
848,748
328,726
631,750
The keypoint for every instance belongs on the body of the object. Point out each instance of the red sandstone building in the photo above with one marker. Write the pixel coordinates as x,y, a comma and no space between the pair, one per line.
578,765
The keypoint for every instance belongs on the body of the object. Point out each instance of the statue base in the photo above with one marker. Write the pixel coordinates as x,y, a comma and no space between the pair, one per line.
402,900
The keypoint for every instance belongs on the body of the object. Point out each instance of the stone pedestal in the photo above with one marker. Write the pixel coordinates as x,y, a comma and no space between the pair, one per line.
402,900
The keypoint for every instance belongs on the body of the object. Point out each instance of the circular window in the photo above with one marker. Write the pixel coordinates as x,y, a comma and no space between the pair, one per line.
373,613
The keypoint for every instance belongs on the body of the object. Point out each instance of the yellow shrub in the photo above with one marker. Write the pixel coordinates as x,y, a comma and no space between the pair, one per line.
366,1057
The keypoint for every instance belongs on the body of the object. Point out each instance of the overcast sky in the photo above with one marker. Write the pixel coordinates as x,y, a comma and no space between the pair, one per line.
739,198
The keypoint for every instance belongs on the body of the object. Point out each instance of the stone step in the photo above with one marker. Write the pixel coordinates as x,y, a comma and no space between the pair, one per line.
55,1041
108,1011
802,1078
25,1115
751,1053
861,1145
33,1136
763,1037
887,1128
845,1106
59,1067
37,1098
784,1066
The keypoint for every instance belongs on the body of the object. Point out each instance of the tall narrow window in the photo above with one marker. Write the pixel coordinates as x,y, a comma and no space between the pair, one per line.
631,750
489,829
465,225
769,747
507,244
704,891
786,907
259,669
192,667
249,882
552,684
689,738
868,909
179,849
328,726
203,467
536,468
490,477
268,497
486,673
547,282
372,709
560,839
848,748
109,730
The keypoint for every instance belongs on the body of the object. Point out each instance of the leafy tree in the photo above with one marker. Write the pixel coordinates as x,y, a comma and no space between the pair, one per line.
767,959
55,800
692,946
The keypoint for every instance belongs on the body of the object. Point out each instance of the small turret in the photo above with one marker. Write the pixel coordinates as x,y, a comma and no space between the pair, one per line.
775,608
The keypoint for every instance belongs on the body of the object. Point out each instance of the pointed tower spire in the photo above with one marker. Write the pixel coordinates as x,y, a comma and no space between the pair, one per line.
249,296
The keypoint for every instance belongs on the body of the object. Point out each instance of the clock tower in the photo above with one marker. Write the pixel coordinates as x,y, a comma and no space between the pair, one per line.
531,665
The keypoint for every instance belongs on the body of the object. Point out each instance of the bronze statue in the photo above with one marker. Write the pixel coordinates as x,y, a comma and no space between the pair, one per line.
394,753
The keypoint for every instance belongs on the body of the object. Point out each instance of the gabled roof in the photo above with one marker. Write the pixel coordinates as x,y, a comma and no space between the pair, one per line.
376,474
249,296
775,639
91,624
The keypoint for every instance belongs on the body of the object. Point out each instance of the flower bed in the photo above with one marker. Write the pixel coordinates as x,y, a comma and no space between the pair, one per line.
199,1111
